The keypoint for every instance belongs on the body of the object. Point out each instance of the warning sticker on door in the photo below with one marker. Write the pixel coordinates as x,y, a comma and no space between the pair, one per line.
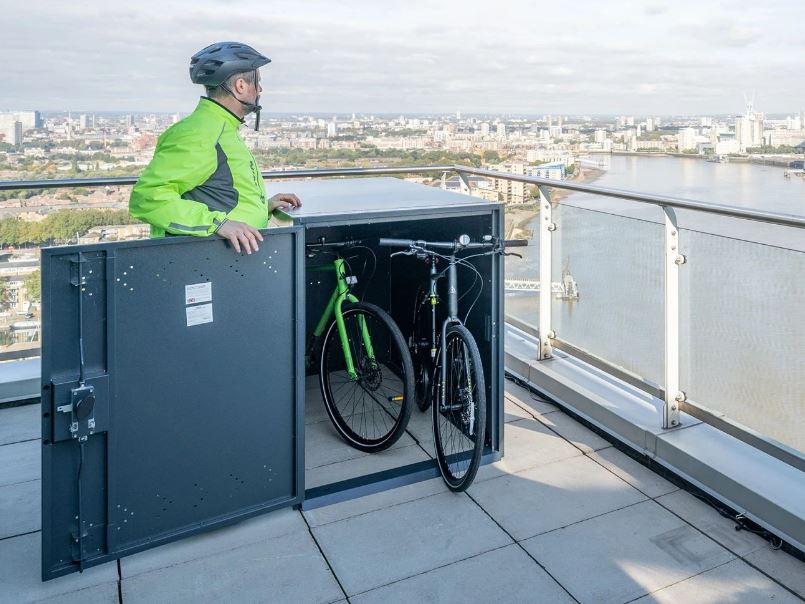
198,292
197,315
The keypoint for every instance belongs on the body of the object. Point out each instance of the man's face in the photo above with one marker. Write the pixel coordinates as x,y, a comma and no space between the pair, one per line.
249,91
255,89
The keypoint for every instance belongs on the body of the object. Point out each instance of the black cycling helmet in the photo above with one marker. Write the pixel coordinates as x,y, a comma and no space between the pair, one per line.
211,66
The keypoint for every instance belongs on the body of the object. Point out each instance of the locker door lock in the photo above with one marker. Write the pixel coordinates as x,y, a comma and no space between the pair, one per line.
82,405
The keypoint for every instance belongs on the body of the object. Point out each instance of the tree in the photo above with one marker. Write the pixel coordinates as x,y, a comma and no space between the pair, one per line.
490,157
33,285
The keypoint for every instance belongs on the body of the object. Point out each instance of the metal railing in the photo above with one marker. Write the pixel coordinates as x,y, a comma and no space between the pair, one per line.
673,400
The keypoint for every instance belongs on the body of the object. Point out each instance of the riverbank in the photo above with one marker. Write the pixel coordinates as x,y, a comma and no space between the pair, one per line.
519,217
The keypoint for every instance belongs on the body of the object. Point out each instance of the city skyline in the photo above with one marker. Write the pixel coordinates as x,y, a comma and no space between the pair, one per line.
415,58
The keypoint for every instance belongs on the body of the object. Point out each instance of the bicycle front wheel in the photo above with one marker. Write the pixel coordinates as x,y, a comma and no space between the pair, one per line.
370,402
459,417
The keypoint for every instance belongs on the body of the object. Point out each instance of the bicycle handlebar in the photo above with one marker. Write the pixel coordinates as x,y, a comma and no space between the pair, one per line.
321,243
452,245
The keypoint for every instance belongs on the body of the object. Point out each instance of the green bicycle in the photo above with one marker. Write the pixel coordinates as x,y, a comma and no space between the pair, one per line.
365,368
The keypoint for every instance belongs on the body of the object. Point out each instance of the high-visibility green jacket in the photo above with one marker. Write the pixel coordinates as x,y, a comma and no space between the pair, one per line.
201,175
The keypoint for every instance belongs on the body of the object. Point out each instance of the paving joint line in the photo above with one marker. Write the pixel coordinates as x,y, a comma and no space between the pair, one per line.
527,553
20,535
680,581
440,566
12,484
734,553
16,442
119,582
780,583
324,556
654,498
388,507
559,528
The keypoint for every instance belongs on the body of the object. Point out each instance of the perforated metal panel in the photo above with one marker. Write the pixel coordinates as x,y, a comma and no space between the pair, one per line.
198,393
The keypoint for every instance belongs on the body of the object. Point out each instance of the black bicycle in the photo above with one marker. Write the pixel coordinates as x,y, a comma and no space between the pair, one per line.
448,367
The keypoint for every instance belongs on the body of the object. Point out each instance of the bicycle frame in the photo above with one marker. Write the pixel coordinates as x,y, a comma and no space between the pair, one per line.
337,299
452,318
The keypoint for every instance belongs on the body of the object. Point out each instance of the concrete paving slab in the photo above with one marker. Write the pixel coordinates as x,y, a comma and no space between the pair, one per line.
625,554
21,579
376,501
260,528
709,521
312,382
514,412
20,423
368,464
20,462
420,425
315,410
633,472
571,430
20,508
324,446
507,574
527,443
526,399
285,568
395,543
547,497
735,582
781,566
106,593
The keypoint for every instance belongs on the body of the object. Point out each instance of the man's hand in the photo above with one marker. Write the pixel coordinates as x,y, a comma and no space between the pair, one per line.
240,233
284,201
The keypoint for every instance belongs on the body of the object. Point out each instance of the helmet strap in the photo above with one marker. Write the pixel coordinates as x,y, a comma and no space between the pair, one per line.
250,107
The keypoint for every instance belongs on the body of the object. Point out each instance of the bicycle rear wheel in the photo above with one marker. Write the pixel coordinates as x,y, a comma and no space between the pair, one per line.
459,421
371,409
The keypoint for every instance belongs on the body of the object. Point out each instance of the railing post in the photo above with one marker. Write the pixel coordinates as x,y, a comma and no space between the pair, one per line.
464,183
546,229
673,260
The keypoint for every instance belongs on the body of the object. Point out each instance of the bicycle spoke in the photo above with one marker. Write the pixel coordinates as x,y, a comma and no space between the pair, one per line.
362,407
458,421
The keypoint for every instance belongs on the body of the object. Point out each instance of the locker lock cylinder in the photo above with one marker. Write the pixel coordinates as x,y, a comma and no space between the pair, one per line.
81,407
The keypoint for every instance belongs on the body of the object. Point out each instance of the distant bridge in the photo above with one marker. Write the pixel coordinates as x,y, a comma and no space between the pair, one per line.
601,164
531,285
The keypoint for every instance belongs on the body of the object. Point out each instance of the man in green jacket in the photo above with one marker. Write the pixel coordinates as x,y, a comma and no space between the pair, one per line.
203,180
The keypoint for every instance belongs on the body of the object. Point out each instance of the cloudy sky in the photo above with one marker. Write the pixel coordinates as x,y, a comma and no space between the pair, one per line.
535,57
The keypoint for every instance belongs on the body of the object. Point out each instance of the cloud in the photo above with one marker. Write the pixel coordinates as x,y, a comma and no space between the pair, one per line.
410,56
655,10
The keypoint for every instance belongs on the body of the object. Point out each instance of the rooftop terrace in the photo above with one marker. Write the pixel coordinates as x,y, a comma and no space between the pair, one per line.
564,517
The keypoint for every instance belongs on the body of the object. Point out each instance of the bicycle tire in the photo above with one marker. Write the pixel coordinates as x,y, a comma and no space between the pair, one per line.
459,425
423,387
363,411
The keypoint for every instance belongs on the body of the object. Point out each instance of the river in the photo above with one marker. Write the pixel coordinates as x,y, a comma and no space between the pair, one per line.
742,298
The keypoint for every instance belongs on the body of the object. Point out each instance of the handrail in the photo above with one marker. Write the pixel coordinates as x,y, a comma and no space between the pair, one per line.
680,203
658,200
13,185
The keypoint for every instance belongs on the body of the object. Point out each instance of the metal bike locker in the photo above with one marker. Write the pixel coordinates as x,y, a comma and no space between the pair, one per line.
369,208
186,411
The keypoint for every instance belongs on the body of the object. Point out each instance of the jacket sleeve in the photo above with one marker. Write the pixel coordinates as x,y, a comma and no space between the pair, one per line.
181,162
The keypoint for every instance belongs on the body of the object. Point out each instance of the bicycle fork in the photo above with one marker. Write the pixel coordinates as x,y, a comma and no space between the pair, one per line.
341,294
452,318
